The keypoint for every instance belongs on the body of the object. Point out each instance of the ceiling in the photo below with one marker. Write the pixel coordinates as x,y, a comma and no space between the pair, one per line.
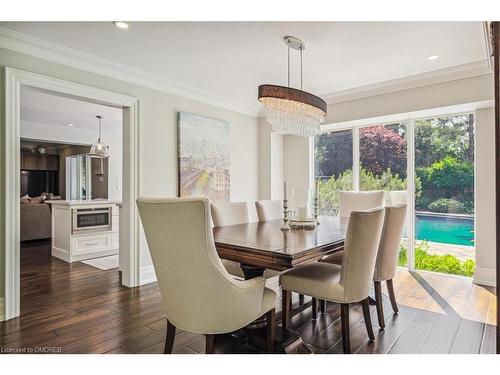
230,59
42,107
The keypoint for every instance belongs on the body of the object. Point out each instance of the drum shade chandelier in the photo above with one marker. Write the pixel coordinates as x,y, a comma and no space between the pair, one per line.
290,110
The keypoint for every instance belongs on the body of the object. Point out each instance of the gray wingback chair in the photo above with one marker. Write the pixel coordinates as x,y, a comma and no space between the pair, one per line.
345,284
198,293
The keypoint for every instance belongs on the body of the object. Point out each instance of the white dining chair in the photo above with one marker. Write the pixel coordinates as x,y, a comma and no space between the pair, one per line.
359,200
269,209
197,292
230,213
344,284
387,257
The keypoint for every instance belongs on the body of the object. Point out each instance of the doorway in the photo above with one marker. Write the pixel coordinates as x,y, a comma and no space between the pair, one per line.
129,235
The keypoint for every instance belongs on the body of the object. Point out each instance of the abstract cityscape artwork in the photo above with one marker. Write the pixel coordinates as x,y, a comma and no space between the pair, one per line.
204,157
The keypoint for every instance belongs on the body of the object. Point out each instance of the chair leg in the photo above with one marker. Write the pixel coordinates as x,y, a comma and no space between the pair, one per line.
392,296
209,344
270,321
314,308
365,304
379,303
344,320
322,306
285,307
301,299
169,338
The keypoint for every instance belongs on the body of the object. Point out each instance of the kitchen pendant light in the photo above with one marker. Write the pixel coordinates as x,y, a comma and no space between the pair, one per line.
99,149
290,110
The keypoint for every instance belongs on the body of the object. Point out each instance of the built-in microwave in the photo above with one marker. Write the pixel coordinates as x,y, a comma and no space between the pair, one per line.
92,219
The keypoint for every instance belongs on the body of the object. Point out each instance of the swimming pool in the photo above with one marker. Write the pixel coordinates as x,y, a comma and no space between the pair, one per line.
451,229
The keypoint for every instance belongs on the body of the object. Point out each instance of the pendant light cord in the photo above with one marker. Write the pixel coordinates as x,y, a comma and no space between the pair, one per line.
301,67
288,65
99,117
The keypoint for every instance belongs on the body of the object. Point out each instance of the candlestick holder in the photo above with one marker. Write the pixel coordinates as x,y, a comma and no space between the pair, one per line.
316,210
286,219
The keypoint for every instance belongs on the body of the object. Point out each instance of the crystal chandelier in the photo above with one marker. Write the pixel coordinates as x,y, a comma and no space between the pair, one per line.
290,110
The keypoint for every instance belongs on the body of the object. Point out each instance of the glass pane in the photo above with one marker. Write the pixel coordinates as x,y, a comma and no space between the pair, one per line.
382,156
333,166
444,196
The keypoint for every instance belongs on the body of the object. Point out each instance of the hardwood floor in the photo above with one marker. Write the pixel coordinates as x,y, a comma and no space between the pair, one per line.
80,309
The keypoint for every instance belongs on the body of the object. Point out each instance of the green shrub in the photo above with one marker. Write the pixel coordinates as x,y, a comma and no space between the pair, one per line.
439,263
447,173
328,189
447,205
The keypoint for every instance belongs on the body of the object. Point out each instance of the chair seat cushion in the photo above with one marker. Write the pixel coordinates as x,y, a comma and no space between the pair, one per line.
319,280
335,258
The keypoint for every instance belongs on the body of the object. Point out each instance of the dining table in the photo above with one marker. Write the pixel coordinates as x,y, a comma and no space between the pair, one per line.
265,245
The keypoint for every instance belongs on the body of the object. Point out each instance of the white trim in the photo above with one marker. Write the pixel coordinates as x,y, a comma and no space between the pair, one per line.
488,42
485,276
148,275
2,305
57,53
433,77
410,193
14,79
356,167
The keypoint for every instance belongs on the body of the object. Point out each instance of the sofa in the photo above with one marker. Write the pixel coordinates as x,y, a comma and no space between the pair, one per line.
35,221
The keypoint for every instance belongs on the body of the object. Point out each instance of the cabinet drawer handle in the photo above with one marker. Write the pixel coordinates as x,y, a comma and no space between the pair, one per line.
91,243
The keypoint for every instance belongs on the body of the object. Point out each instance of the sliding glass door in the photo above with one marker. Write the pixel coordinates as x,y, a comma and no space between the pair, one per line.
444,197
427,164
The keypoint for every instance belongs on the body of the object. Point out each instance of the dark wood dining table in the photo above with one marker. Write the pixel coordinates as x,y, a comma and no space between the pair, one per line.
263,245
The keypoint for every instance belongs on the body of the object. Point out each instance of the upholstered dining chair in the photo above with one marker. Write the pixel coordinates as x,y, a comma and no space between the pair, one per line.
387,257
198,293
345,284
269,210
230,213
359,200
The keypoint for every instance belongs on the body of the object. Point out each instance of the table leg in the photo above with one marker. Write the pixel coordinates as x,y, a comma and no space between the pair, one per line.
286,340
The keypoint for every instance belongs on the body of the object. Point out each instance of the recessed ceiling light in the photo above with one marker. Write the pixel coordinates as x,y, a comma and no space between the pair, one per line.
432,57
121,24
71,125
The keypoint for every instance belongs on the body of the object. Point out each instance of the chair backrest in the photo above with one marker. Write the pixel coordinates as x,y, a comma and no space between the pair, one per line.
197,292
359,200
269,210
390,243
396,197
229,213
360,252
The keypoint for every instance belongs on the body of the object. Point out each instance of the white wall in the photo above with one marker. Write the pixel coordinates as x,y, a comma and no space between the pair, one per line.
158,136
271,162
111,135
485,197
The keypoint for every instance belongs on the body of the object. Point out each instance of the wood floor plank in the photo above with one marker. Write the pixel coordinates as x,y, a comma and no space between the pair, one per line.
82,309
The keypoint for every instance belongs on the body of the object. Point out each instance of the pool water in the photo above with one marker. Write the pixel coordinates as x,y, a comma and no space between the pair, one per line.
450,230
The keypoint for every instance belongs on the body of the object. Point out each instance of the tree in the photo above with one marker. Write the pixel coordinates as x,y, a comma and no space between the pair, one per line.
333,153
382,148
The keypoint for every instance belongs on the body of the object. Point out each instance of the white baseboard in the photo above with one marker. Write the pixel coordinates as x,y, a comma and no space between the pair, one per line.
2,309
485,276
148,275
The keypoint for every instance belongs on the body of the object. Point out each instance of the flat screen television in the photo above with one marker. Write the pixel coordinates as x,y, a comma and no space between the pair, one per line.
34,183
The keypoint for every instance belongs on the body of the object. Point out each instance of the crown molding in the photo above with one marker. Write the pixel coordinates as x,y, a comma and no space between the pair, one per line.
453,73
57,53
488,41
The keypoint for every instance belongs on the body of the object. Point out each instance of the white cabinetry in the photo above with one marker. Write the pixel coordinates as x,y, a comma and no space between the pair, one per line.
73,245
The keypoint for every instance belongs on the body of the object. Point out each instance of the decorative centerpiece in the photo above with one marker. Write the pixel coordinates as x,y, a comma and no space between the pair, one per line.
303,202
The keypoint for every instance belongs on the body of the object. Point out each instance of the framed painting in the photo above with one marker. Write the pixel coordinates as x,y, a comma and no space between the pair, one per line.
204,157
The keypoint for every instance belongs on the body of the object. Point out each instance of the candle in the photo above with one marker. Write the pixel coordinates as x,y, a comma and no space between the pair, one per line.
316,193
284,190
303,213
